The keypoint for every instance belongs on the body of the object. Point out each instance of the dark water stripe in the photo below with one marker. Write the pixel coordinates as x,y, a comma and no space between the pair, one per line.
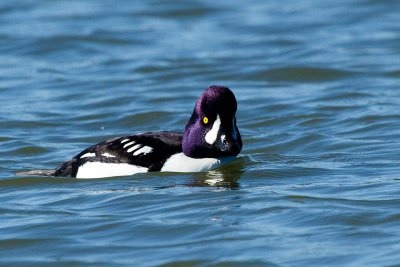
302,74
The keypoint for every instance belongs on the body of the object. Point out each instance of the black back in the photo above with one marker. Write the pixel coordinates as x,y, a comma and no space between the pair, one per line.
163,144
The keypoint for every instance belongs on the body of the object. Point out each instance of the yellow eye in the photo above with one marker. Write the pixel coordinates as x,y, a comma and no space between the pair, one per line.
205,120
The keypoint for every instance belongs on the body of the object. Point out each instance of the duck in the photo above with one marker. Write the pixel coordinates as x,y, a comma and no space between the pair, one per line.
210,139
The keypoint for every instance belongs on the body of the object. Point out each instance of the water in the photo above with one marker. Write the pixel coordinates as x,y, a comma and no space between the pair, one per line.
317,82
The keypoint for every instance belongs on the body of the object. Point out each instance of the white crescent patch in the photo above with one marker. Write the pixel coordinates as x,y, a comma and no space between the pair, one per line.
212,135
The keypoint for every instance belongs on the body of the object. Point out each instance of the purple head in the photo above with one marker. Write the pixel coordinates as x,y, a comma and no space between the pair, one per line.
211,131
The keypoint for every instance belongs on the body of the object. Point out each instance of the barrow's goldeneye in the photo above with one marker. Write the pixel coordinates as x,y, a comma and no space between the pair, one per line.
210,139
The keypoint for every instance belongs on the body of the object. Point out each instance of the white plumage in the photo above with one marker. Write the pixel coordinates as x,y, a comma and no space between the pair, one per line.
102,170
182,163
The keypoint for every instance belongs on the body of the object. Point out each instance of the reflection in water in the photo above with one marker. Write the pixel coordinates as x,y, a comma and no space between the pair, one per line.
226,176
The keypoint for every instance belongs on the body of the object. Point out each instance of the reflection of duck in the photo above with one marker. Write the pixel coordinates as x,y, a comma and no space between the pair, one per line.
227,176
211,138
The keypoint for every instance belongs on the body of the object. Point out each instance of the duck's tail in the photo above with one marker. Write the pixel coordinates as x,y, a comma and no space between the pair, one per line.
36,173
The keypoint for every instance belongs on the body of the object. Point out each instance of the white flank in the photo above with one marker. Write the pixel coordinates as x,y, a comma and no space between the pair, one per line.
144,150
88,155
133,148
102,170
128,144
211,136
182,163
124,141
108,155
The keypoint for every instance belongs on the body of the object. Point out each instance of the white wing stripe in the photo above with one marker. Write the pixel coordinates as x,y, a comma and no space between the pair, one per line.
133,148
144,150
88,155
128,144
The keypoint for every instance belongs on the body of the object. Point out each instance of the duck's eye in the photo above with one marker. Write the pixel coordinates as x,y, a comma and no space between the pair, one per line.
205,120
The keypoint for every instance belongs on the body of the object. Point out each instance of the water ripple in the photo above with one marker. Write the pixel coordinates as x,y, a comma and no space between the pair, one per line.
317,88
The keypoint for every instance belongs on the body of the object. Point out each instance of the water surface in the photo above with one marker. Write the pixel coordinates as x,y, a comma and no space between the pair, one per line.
317,83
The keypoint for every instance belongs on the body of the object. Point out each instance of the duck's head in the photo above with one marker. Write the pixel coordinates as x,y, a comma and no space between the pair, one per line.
211,131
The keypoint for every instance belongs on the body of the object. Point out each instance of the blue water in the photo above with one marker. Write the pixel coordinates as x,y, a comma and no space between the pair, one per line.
317,84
